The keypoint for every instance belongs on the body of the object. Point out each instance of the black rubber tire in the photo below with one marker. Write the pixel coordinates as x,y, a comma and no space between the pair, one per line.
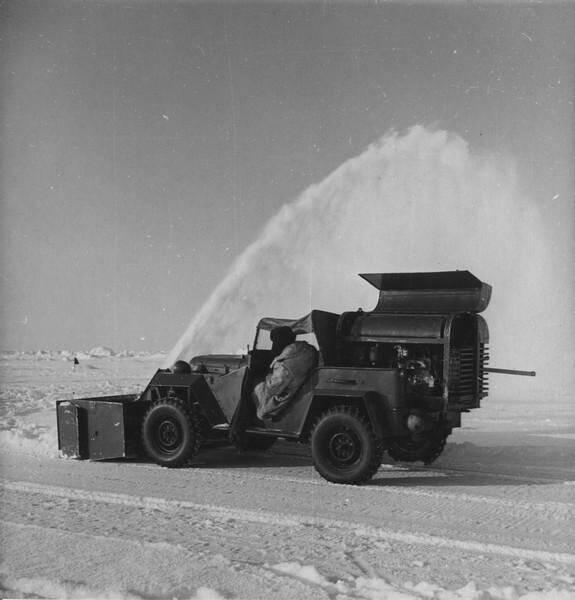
344,448
171,432
425,447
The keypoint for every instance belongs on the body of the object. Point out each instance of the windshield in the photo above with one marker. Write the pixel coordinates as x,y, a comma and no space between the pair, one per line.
318,328
263,339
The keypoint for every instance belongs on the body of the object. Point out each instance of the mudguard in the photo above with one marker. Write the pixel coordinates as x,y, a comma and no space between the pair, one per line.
191,387
384,407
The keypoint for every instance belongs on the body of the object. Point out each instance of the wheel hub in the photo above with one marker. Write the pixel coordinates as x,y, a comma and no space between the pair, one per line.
168,435
343,447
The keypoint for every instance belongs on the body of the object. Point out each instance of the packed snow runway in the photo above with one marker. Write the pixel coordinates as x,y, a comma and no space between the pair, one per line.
492,518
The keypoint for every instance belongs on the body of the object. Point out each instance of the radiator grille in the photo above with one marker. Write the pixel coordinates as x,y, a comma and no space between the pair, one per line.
467,376
483,376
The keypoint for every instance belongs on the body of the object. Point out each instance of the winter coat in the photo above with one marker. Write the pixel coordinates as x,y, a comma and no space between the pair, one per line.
287,373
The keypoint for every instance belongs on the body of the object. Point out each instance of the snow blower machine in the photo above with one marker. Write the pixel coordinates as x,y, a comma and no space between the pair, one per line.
396,379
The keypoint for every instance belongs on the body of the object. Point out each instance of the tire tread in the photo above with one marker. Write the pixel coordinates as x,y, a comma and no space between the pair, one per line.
194,425
377,447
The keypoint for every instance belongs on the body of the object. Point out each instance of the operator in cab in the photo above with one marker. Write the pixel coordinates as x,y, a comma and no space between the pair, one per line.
292,363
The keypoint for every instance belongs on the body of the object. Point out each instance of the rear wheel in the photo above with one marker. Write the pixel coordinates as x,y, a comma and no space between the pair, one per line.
425,447
344,448
171,432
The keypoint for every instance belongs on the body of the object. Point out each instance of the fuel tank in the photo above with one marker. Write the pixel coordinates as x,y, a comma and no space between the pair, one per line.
375,326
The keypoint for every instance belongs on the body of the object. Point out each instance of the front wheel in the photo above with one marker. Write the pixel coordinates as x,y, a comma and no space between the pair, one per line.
344,448
171,432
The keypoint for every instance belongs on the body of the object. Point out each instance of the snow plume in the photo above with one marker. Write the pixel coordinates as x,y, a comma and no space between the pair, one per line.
414,202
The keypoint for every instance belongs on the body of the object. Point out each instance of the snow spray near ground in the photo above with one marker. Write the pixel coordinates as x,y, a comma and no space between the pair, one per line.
415,202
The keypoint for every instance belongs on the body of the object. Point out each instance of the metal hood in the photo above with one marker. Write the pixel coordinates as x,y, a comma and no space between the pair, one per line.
440,292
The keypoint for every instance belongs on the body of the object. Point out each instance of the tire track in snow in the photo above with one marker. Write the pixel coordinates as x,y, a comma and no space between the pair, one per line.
557,509
531,515
162,569
555,474
286,520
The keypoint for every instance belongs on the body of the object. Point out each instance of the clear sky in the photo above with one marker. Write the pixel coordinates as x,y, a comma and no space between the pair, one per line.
144,144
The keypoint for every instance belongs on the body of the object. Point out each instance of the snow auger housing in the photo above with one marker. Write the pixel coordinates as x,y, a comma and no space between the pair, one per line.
396,378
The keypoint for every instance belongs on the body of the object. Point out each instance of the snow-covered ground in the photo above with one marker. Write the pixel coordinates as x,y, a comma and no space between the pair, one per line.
492,519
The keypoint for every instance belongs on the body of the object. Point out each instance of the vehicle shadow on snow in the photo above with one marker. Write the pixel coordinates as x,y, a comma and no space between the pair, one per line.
418,476
228,457
462,465
476,465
